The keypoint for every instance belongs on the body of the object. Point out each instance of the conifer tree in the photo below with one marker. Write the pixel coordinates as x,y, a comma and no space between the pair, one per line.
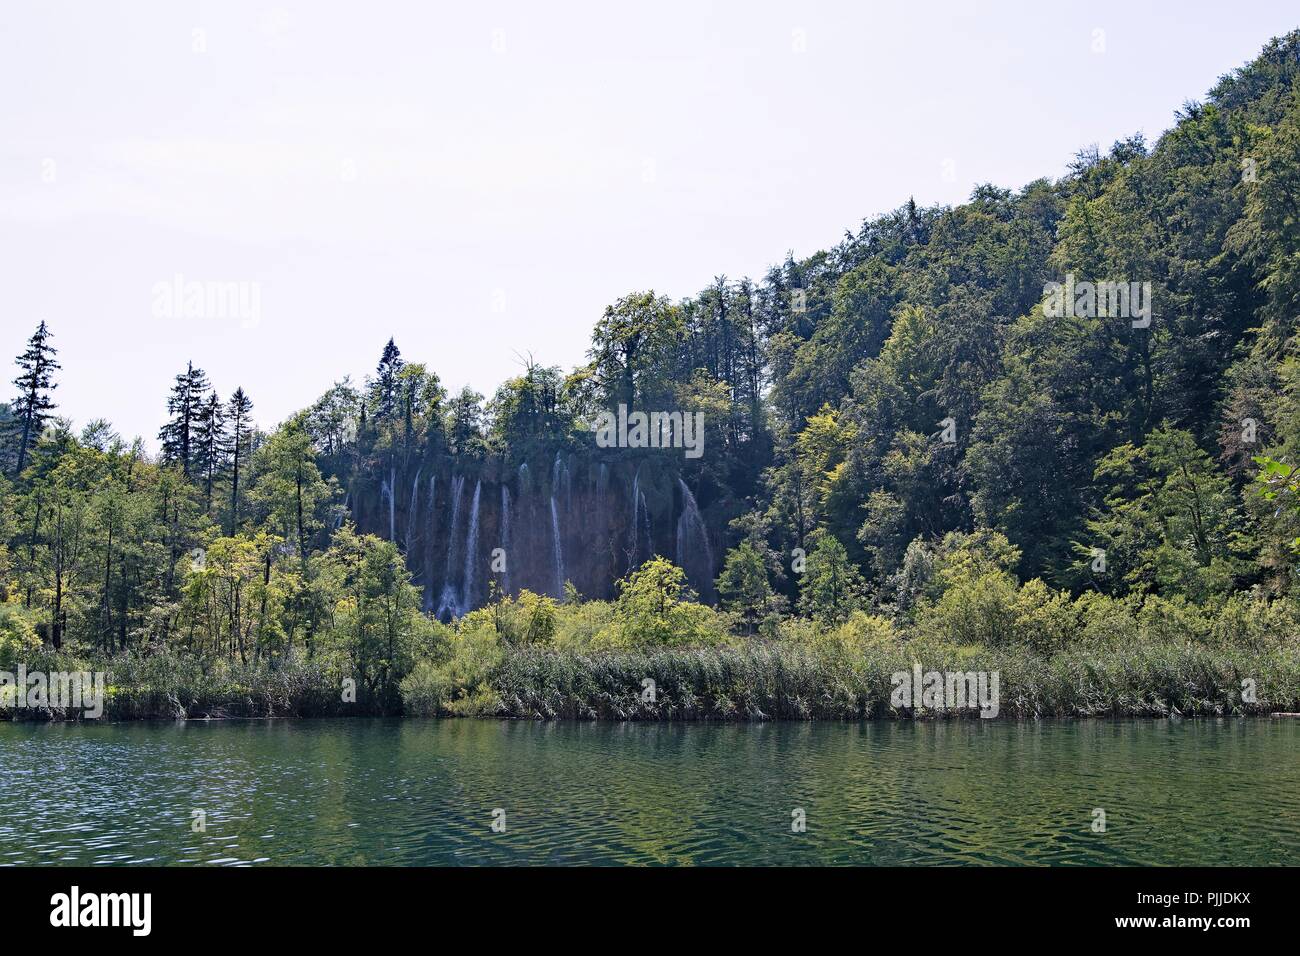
31,409
384,387
177,436
239,415
209,443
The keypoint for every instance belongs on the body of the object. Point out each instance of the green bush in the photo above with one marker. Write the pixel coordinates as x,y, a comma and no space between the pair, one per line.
655,608
427,690
18,635
459,685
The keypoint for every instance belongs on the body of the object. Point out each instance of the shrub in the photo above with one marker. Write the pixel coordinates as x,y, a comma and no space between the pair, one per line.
655,608
426,691
577,625
858,636
1251,622
977,607
18,635
1046,621
461,684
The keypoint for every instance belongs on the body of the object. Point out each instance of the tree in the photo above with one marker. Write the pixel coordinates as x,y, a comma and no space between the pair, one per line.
465,423
183,405
1170,521
289,493
62,564
209,443
656,608
31,409
632,345
238,414
235,596
385,395
332,420
743,585
832,587
378,624
529,407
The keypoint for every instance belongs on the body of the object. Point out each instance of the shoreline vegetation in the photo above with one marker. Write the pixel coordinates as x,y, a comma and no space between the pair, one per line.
532,657
900,455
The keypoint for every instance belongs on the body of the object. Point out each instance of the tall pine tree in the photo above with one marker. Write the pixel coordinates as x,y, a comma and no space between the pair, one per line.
209,443
177,436
31,409
239,415
384,395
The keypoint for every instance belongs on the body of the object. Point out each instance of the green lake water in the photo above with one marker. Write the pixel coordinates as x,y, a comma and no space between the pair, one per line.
423,792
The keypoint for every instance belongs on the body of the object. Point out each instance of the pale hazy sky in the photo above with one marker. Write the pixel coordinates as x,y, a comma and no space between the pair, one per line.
479,180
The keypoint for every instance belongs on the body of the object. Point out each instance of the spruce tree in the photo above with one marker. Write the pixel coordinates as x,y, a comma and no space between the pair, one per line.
177,436
384,395
210,443
239,415
31,409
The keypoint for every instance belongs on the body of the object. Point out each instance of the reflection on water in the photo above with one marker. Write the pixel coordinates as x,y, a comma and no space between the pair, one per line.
423,792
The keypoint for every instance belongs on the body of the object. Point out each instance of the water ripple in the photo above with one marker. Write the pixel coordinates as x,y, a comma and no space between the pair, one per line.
423,792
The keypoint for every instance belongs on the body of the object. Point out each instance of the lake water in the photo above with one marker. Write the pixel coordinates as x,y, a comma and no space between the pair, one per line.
424,792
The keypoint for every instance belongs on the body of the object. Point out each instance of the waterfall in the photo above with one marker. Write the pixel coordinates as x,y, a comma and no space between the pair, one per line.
505,540
415,506
602,483
386,491
342,513
636,494
689,521
427,601
447,603
471,553
559,550
649,540
568,485
562,481
433,502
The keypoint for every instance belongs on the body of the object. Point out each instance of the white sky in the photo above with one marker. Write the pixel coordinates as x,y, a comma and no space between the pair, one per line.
480,180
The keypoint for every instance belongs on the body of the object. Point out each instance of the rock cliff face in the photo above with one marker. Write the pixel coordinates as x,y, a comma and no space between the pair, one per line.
465,526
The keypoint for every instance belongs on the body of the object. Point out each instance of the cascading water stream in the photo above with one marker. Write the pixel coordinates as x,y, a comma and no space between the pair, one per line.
471,553
558,549
649,539
505,540
562,481
691,522
415,507
427,601
633,528
447,602
386,491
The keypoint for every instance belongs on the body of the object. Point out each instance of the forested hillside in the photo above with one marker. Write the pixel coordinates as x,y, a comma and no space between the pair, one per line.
906,438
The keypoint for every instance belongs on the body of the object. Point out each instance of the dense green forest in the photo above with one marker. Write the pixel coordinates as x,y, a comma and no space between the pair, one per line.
907,456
